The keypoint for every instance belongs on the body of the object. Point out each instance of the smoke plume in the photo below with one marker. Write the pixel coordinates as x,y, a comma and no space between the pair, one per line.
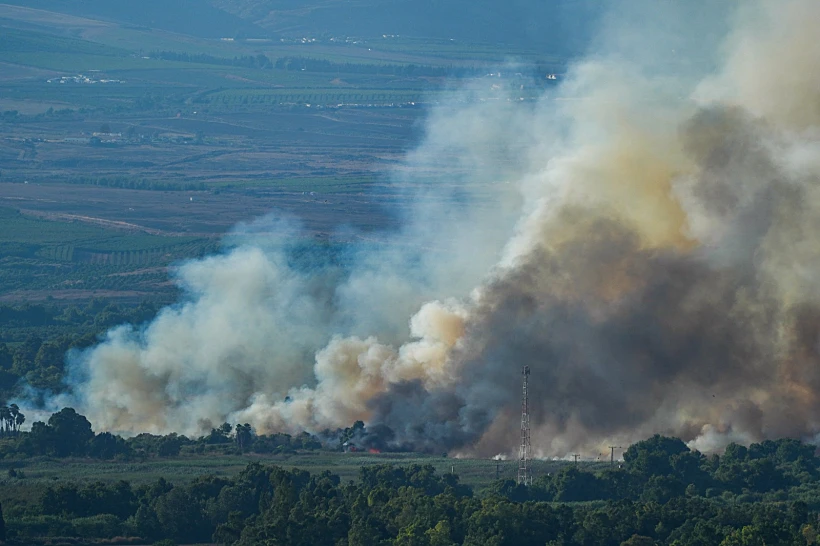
645,239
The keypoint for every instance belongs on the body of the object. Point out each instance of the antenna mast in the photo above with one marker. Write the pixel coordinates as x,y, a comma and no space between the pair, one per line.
524,474
612,454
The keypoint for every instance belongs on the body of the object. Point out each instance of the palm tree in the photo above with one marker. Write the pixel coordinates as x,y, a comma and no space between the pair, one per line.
20,419
244,435
4,418
14,409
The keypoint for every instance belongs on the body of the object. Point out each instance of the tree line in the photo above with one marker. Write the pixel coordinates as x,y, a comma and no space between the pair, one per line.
135,183
310,64
247,61
415,506
70,434
660,469
35,338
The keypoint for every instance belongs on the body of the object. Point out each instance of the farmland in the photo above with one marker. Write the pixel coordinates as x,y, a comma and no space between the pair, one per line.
125,149
76,259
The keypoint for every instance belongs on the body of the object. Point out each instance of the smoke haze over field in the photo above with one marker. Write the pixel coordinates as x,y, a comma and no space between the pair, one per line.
645,239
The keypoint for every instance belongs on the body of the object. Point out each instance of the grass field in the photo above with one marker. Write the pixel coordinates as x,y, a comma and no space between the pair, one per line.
43,472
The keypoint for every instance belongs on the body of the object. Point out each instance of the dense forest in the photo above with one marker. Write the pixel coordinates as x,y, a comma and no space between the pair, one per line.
34,339
663,493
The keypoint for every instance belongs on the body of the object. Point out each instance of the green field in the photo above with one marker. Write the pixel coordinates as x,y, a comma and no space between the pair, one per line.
37,253
40,473
477,473
19,228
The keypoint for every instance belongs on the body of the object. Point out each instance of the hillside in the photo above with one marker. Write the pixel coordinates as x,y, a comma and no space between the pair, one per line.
559,26
182,16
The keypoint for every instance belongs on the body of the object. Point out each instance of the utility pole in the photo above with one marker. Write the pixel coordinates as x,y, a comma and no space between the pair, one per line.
576,456
524,475
612,454
497,469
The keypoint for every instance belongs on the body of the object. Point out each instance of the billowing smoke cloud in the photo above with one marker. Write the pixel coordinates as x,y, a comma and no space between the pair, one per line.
645,239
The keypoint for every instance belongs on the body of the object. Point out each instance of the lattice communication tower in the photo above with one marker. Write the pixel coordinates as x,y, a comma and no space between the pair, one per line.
524,472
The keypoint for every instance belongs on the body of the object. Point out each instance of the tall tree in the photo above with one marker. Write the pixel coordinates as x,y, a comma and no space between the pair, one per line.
4,418
19,420
14,410
244,436
72,432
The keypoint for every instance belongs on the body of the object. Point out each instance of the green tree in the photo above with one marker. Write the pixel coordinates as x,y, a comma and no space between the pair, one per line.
749,535
638,540
652,457
440,535
107,446
71,431
19,420
64,500
511,490
169,446
145,523
229,532
363,533
50,354
412,535
735,453
14,411
662,489
181,517
244,436
809,534
5,417
571,484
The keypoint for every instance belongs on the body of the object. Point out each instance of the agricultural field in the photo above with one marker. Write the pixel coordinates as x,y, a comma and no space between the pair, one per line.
69,259
39,473
126,148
